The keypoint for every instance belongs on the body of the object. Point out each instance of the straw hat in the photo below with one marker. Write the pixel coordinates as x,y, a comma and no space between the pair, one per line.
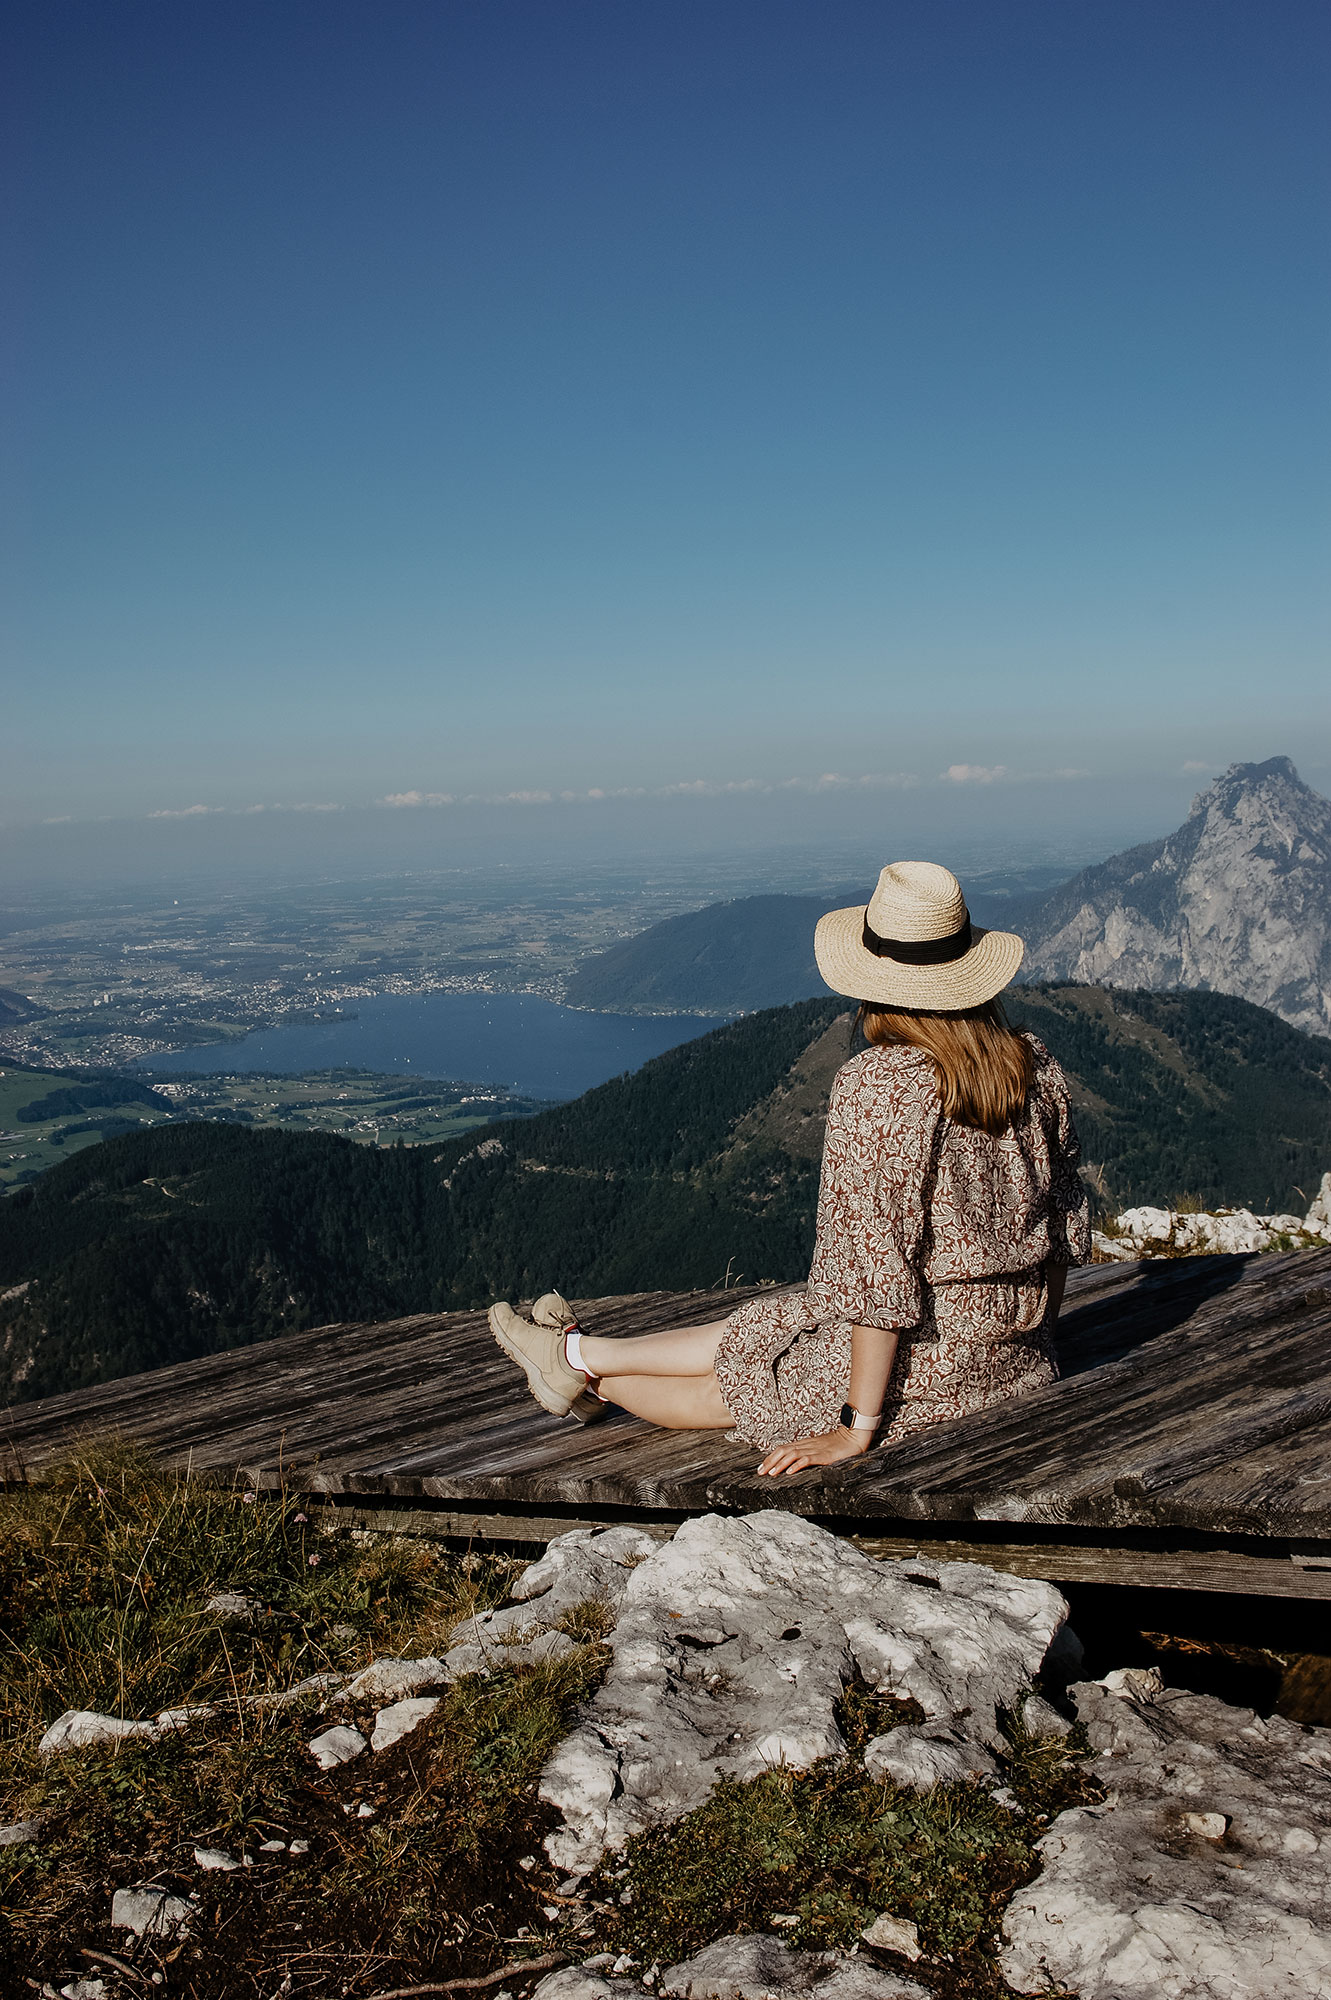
913,945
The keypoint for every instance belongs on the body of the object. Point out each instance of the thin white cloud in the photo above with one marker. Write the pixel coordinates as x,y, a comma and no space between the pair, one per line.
1000,774
245,812
1195,764
974,774
689,788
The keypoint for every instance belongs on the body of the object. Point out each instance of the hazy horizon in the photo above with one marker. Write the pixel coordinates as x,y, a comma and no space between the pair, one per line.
739,844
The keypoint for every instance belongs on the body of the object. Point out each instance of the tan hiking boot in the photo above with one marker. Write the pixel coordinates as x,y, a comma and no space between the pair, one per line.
588,1407
553,1309
539,1352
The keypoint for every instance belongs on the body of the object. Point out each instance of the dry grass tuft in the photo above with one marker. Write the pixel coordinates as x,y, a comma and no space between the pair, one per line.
105,1570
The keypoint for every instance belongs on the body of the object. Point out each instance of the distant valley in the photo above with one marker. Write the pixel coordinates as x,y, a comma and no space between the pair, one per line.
701,1169
48,1115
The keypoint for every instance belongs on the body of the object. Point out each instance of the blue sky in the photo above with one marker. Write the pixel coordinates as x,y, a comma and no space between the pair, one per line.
454,399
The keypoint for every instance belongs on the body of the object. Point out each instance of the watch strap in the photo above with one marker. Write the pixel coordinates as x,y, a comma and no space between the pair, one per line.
858,1420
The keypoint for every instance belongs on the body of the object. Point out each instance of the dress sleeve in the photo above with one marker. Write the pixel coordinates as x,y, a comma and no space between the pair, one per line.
1069,1203
871,1200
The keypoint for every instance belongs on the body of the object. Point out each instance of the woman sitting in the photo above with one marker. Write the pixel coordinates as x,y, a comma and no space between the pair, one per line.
949,1211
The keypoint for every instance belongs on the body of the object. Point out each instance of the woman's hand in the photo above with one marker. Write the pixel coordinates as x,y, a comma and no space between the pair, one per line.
827,1450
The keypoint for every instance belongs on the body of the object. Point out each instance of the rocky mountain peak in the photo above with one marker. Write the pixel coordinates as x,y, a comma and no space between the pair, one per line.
1273,791
1237,900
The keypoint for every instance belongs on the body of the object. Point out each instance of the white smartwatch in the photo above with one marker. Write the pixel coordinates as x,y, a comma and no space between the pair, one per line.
858,1420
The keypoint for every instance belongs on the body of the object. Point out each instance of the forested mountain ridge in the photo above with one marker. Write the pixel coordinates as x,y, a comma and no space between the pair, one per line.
698,1168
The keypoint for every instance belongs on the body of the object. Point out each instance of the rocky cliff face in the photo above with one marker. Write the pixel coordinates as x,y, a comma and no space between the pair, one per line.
1238,900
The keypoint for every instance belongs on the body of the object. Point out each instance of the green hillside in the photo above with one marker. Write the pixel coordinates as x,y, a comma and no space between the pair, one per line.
43,1111
703,1165
729,958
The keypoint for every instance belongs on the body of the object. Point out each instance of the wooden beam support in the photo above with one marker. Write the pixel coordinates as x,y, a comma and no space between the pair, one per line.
1302,1573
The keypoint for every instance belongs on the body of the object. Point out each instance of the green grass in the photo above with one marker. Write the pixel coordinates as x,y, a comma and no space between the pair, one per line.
104,1572
833,1848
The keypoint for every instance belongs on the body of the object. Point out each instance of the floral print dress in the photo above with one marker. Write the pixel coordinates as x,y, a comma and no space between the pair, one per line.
934,1228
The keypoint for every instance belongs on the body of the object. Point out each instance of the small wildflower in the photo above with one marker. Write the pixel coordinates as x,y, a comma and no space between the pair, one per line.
248,1498
313,1561
302,1518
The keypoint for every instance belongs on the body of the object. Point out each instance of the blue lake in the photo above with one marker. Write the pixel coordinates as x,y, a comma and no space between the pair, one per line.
529,1045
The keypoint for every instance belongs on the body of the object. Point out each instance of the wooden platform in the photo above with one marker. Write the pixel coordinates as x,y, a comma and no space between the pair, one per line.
1189,1444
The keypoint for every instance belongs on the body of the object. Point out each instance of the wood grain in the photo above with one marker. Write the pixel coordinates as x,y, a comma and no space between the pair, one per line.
1196,1398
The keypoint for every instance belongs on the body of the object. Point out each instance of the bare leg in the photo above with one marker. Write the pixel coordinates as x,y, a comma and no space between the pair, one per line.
676,1402
679,1350
665,1377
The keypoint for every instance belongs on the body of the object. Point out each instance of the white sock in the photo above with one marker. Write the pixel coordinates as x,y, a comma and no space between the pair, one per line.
573,1353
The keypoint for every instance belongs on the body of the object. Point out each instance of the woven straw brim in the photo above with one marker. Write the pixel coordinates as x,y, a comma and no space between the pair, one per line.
985,969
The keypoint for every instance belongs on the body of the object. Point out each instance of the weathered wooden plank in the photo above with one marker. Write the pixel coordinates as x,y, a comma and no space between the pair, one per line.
1096,1426
1232,1442
321,1384
1191,1399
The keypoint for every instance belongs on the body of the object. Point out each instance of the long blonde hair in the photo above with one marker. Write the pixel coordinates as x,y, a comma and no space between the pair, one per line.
984,1068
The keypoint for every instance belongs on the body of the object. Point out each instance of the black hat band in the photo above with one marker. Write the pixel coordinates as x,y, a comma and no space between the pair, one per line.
928,951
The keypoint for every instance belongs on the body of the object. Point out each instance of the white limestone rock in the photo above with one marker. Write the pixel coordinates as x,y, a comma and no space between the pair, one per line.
586,1565
150,1912
732,1647
313,1684
1134,1683
756,1966
889,1933
393,1723
85,1729
215,1860
336,1746
390,1680
919,1759
1139,1899
585,1982
185,1718
856,1979
1146,1232
539,1645
1317,1221
1039,1718
22,1833
234,1606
